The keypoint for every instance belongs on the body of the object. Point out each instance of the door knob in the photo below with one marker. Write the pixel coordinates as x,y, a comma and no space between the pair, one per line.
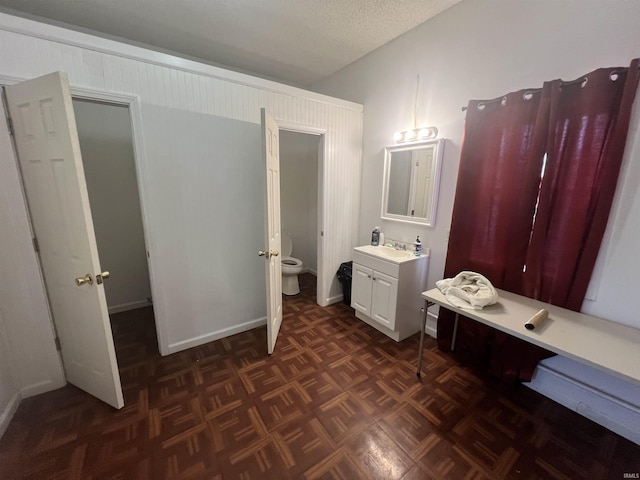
262,253
86,279
101,276
274,253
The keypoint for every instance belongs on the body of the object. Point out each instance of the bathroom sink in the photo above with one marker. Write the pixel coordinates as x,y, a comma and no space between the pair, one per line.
388,253
393,253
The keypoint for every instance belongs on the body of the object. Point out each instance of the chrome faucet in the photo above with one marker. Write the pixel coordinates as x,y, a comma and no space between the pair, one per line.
399,246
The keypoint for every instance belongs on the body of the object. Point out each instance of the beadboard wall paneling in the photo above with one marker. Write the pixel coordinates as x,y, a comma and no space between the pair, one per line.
164,83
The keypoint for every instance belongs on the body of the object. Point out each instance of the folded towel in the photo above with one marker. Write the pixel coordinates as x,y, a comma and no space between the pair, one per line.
468,290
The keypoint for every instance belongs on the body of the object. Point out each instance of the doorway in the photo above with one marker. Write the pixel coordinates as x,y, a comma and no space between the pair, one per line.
106,143
301,197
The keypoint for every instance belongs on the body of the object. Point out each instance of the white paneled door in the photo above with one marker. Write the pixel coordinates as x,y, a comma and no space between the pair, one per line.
49,155
273,267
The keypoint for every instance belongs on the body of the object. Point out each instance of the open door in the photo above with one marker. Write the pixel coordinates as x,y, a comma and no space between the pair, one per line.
273,267
48,151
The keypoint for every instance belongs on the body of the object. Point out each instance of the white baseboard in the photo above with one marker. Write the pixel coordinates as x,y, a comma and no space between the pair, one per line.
432,325
128,306
596,404
36,389
9,411
42,387
334,299
210,337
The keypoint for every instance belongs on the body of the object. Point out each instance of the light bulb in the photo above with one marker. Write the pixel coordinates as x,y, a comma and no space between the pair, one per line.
424,133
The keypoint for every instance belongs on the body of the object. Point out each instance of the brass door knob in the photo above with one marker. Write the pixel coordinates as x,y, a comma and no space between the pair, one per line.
262,253
274,253
86,279
101,276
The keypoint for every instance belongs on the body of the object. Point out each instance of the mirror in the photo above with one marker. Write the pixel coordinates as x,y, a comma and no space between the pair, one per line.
411,181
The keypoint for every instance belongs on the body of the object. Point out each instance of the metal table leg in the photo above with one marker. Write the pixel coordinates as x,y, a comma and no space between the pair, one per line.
427,304
455,333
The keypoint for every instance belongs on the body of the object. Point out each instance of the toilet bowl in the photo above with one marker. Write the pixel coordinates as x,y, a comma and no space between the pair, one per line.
291,267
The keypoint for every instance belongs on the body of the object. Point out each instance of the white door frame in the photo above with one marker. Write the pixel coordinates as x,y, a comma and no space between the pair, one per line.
133,103
322,290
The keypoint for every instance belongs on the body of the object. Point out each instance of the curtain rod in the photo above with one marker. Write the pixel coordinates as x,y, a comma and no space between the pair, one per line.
534,90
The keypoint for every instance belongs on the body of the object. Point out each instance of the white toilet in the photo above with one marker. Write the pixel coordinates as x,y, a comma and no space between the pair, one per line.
291,267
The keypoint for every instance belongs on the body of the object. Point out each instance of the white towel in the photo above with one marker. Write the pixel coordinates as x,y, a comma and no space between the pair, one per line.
468,290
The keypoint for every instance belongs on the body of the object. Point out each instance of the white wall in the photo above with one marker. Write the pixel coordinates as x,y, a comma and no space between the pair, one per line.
188,119
482,50
299,193
106,143
210,189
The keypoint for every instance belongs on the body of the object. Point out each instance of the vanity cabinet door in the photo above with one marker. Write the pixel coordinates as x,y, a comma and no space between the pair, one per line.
361,288
384,299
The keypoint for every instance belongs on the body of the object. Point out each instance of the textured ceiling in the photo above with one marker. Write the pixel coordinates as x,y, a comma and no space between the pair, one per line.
298,42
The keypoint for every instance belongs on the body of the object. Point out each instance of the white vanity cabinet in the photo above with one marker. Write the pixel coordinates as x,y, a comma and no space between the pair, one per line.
374,294
386,288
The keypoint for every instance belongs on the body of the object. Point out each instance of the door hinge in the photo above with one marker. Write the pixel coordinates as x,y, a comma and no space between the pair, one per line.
10,125
322,233
36,245
58,346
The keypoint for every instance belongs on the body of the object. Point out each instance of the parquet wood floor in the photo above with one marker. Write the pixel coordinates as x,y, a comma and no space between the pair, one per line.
337,400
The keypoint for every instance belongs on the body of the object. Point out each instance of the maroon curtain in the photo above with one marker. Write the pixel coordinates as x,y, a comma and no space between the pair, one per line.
589,119
495,200
582,127
497,186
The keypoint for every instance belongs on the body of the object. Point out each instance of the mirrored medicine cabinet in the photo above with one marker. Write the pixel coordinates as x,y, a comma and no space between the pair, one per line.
411,182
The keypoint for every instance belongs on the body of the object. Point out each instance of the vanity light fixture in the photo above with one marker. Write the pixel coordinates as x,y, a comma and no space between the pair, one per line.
417,134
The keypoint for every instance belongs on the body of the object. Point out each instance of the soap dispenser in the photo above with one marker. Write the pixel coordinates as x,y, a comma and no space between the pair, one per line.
418,244
375,237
